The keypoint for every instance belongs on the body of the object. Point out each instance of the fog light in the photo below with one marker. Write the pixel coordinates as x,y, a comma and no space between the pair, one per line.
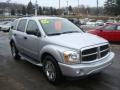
80,72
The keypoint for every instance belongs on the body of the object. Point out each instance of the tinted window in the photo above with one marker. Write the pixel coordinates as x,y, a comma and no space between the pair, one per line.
14,24
118,27
58,26
32,27
109,27
21,25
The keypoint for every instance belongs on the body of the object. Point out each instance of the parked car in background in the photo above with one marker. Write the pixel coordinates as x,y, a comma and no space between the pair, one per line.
75,21
59,46
91,22
1,24
71,19
99,23
111,32
5,26
110,21
83,21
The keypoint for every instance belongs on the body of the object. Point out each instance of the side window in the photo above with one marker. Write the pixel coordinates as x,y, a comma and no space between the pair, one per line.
109,27
32,28
21,25
14,25
118,27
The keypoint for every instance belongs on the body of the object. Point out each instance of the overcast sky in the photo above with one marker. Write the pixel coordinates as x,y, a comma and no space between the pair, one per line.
55,3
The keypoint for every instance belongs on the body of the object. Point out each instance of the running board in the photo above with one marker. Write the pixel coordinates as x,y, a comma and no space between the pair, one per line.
31,60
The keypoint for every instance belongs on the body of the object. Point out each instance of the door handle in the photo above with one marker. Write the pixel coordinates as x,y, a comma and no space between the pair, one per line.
25,37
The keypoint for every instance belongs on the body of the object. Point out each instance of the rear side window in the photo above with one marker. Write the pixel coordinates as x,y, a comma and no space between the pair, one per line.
109,27
118,27
14,25
22,25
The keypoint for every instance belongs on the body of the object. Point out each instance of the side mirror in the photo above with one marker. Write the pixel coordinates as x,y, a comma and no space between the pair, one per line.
38,33
34,32
11,27
101,30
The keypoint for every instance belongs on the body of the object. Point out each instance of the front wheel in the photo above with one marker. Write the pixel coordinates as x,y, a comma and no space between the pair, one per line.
51,70
14,52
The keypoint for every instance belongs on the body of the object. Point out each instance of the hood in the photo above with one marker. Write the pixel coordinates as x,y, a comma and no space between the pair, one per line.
6,26
76,40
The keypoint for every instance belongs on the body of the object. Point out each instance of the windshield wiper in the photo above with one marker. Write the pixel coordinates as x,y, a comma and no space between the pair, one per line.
71,32
63,33
54,34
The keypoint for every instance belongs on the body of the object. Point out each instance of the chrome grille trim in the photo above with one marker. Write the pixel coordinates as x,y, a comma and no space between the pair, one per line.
89,54
102,50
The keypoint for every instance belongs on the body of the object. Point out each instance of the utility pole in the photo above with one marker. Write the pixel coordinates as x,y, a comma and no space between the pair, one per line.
97,8
67,3
8,1
36,8
59,4
78,6
67,8
8,9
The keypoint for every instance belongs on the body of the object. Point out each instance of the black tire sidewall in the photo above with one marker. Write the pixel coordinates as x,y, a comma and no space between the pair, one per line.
57,69
16,57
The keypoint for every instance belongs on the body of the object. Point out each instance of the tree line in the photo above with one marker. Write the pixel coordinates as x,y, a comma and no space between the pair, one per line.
30,10
112,7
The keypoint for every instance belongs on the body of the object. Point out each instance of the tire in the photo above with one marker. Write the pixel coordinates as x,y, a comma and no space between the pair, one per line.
14,52
51,70
8,30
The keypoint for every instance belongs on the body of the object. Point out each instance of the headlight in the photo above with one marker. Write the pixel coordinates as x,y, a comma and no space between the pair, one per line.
71,57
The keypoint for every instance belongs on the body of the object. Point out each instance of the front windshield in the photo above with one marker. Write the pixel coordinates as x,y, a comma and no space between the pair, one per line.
99,21
9,24
58,26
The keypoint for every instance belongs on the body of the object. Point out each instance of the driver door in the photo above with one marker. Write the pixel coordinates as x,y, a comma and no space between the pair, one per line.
32,40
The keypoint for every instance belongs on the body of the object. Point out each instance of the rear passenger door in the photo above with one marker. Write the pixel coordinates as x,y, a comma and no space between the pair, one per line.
20,33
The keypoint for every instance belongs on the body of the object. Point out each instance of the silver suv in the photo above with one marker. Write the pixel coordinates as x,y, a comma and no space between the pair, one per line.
60,47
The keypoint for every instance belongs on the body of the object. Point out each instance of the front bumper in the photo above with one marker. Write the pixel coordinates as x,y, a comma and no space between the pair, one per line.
5,29
87,68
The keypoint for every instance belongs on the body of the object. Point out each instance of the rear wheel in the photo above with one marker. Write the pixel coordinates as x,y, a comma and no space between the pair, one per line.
51,70
14,52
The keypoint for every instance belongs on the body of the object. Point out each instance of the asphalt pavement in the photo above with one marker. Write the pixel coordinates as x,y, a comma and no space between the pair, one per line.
22,75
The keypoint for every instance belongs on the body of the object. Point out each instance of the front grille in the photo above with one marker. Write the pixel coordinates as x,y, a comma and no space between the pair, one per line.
94,53
104,50
89,51
104,47
90,57
102,54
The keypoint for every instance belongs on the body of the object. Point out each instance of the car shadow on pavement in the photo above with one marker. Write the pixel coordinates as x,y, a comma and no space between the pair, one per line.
31,76
115,43
82,81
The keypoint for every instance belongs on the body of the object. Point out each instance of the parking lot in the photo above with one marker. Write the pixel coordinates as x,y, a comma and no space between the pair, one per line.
21,75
